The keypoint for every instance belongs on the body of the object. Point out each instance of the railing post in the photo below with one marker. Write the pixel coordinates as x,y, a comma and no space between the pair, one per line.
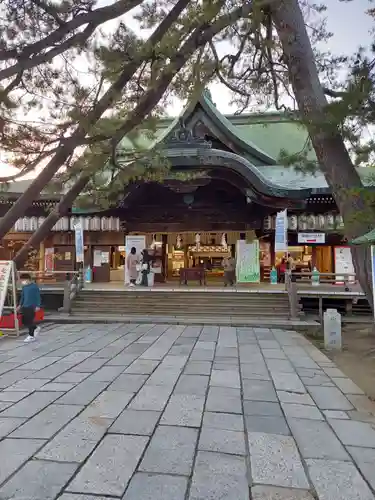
66,302
291,288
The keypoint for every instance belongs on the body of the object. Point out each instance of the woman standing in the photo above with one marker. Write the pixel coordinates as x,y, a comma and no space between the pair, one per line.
131,263
145,267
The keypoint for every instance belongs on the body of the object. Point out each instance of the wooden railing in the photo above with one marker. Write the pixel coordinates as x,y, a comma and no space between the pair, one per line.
72,282
71,289
47,277
346,280
291,288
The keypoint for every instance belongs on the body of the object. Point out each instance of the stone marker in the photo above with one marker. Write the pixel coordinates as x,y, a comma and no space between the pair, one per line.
332,329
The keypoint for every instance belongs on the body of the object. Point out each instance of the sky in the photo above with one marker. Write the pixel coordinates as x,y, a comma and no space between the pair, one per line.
348,22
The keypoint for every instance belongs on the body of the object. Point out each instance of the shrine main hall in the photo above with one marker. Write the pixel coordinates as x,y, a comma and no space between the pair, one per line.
234,186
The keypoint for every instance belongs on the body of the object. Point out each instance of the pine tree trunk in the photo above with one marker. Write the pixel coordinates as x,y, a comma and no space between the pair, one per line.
328,144
43,231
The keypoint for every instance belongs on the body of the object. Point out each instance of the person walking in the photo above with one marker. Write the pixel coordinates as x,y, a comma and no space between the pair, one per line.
131,263
229,266
30,302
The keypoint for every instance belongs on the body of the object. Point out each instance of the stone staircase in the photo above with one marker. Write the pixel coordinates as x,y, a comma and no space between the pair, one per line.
182,304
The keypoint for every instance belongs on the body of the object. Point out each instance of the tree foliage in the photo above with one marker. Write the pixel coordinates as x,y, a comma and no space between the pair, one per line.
99,89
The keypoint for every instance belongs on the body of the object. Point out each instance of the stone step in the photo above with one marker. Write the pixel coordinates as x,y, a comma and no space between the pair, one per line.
177,303
185,312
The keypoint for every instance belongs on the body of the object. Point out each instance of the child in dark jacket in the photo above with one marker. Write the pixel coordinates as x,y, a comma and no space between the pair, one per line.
30,303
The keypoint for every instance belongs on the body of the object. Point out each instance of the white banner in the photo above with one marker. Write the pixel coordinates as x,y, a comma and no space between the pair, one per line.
49,259
281,232
5,273
137,241
78,231
317,238
344,264
247,262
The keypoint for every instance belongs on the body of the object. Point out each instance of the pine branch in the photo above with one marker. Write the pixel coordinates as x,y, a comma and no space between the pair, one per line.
33,54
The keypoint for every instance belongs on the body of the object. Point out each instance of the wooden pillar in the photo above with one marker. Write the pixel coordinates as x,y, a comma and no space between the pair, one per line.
272,249
164,257
313,257
41,256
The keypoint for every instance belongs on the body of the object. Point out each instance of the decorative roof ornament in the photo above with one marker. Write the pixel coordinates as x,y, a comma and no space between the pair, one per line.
207,95
183,138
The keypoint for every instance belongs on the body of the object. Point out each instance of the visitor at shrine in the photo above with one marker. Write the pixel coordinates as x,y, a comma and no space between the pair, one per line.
229,265
291,266
30,302
145,267
131,263
282,270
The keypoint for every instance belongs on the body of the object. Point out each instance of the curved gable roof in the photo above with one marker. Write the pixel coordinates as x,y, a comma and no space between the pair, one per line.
259,136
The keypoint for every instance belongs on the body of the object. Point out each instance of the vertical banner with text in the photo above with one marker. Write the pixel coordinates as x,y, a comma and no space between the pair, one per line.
281,232
247,262
78,231
6,267
49,259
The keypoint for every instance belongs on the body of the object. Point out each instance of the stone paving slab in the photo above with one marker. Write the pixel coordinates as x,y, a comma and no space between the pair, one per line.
180,412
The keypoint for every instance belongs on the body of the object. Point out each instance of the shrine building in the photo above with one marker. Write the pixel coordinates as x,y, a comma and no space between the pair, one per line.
234,192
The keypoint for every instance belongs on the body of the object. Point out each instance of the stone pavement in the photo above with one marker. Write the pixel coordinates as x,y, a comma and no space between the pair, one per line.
161,412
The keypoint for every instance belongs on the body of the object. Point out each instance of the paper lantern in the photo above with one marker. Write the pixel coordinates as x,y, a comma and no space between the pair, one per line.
339,222
330,222
311,222
267,223
302,222
292,223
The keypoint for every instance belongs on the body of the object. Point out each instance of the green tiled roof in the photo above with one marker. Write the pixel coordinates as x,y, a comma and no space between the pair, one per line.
263,135
366,239
291,178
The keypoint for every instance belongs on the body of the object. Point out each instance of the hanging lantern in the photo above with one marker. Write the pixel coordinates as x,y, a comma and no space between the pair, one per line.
117,224
302,222
73,222
95,221
86,223
33,224
292,223
153,243
267,223
25,224
197,240
311,222
321,222
104,224
41,221
330,222
224,243
179,241
339,222
273,222
18,227
65,224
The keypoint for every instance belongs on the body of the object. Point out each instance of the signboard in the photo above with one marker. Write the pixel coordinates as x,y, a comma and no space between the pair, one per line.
97,260
78,231
137,241
316,238
344,264
49,261
5,274
247,262
281,232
